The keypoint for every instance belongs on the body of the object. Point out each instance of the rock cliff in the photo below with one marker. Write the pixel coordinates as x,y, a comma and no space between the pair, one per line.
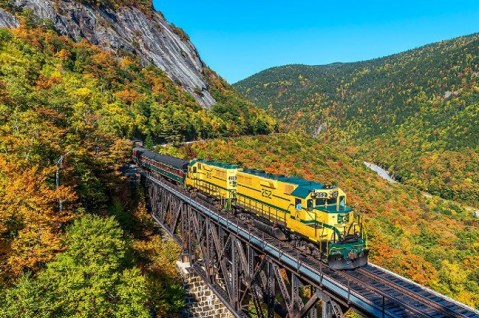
7,20
126,30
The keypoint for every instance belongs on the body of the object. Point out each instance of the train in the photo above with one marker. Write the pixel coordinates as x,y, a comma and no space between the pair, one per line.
312,216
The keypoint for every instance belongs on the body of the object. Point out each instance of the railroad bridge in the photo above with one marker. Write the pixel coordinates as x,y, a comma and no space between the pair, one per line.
256,275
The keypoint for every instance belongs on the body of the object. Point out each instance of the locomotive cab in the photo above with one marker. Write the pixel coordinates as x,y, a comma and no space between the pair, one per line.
342,238
348,250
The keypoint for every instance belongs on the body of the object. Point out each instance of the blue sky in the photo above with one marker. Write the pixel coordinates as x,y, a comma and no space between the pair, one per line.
240,38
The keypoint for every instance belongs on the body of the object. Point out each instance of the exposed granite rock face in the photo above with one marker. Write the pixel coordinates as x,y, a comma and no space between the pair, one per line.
7,20
129,30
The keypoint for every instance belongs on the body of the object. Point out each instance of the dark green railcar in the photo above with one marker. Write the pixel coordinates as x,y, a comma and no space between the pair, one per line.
167,166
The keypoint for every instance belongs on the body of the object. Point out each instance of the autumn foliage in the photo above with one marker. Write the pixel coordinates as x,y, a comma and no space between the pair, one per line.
30,217
68,112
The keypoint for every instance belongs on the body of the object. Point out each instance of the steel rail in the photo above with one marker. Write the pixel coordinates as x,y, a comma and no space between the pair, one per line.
474,312
415,296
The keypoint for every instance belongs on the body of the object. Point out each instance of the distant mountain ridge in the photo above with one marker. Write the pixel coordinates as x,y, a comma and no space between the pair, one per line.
399,109
300,87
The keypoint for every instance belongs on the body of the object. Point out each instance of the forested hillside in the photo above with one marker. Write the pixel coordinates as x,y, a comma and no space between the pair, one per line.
430,240
415,113
75,238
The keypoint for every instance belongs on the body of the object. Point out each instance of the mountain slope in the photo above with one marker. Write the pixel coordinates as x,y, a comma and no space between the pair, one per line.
7,20
127,29
415,112
67,112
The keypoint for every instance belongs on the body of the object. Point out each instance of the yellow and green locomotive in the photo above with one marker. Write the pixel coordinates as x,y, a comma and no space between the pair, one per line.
313,216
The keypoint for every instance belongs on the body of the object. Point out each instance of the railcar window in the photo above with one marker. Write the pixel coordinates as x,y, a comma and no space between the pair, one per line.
320,202
194,169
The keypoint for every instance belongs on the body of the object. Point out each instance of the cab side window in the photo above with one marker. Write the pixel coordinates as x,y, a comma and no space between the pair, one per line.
297,204
331,201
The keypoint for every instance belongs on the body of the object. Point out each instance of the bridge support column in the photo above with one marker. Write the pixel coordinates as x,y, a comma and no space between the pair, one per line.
327,309
201,301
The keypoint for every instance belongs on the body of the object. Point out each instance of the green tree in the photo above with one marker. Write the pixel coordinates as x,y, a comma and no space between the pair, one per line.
23,301
90,279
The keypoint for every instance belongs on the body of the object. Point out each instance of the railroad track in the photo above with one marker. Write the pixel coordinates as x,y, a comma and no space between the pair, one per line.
430,303
395,295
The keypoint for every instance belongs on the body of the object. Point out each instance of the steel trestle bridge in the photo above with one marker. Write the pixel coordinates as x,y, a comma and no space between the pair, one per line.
256,275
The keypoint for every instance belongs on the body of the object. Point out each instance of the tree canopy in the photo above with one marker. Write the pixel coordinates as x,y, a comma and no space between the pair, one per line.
90,279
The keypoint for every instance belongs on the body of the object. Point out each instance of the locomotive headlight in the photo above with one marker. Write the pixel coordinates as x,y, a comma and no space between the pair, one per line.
334,194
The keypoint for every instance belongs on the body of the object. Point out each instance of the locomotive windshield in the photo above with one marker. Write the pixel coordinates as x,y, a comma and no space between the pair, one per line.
323,202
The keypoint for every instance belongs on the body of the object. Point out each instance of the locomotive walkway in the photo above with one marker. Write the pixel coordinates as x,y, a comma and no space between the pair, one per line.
254,274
